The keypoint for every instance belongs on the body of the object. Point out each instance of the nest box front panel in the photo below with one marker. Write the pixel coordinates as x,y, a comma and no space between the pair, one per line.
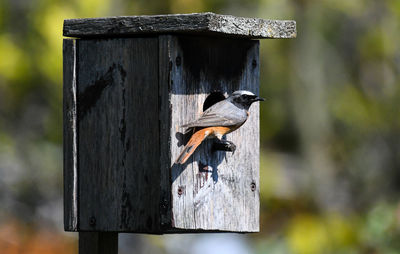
213,190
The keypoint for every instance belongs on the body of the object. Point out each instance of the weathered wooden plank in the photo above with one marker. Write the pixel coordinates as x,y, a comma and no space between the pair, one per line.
214,191
196,23
118,135
165,66
98,243
70,136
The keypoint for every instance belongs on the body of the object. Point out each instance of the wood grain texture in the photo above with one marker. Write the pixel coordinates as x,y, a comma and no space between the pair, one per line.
165,109
98,243
213,191
119,167
70,136
196,23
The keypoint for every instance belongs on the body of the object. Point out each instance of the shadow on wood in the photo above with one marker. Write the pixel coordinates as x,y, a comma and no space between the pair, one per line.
206,164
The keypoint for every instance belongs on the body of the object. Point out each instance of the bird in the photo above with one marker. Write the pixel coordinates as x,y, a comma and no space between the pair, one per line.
218,120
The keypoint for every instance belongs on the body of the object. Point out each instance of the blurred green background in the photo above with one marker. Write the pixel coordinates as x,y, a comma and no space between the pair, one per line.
330,163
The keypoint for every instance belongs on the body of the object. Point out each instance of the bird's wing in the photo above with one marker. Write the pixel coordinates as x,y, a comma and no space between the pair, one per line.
210,120
223,113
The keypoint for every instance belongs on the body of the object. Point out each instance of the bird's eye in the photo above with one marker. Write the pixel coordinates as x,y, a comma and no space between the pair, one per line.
245,96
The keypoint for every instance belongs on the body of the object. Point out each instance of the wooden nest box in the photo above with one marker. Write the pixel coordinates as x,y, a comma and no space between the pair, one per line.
129,84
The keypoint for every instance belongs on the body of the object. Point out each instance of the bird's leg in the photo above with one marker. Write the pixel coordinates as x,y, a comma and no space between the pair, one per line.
224,145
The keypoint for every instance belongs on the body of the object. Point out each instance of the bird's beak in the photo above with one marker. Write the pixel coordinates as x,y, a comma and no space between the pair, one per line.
258,99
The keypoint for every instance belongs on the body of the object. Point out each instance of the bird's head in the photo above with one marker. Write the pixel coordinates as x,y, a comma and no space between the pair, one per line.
244,99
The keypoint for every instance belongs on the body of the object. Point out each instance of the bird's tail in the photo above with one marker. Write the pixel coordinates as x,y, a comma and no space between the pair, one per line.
191,146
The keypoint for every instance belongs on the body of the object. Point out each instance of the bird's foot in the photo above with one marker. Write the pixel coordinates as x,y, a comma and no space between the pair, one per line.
224,145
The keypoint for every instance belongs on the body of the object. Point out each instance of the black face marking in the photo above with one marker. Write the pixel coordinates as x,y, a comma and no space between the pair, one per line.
244,101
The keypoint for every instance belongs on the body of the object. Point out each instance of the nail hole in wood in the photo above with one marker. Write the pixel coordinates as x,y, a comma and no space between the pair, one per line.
92,221
178,61
253,186
254,63
181,190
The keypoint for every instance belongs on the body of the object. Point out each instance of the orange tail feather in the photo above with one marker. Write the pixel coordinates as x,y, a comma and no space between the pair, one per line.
191,146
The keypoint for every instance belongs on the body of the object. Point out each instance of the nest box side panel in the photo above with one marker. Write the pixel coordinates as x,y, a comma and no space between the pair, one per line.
213,191
164,79
118,142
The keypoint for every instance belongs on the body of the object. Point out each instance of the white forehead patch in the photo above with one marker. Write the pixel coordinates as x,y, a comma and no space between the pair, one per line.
241,92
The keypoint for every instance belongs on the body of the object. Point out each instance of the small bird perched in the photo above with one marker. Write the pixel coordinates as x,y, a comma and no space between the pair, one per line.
221,118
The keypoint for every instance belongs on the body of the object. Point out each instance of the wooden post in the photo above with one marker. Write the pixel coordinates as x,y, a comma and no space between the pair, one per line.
98,243
129,83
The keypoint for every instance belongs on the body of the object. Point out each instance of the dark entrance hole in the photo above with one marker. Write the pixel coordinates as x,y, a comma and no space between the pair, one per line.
213,98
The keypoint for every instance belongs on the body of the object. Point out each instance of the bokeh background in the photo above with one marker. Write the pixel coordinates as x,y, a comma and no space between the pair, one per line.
330,161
